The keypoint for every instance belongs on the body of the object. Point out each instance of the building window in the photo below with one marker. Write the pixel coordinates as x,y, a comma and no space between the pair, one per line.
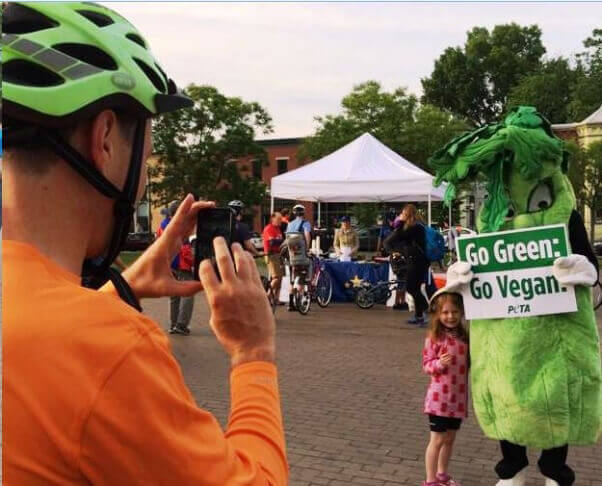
282,165
257,169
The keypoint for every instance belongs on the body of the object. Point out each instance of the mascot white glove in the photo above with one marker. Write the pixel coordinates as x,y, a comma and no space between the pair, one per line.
459,274
574,270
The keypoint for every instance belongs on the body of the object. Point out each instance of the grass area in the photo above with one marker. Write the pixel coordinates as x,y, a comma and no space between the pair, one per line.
130,257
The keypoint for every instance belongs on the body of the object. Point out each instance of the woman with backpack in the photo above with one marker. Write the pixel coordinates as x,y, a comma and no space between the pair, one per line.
410,240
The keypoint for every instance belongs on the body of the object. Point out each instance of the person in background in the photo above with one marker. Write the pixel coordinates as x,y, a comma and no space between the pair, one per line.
298,225
386,229
285,219
410,240
452,236
181,307
272,241
346,240
242,233
91,391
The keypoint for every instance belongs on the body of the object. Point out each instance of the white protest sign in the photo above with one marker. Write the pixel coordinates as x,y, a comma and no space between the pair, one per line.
513,273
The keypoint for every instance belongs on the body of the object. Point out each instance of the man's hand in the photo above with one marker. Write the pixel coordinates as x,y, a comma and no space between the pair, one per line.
574,270
150,275
241,317
459,274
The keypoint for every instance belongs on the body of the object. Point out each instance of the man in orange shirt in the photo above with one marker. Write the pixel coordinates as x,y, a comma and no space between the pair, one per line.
91,391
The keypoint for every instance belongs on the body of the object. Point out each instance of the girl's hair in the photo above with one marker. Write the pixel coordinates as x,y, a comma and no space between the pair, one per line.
411,215
436,329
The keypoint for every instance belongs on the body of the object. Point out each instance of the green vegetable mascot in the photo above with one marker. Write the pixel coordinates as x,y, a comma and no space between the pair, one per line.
536,381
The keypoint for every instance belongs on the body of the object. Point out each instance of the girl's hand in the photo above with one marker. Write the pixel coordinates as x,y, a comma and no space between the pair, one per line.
445,359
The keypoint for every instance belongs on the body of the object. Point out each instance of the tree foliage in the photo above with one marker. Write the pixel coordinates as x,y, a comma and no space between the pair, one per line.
548,89
198,148
474,81
396,118
586,93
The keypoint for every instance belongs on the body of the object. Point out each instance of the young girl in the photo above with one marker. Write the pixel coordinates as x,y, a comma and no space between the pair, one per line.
445,358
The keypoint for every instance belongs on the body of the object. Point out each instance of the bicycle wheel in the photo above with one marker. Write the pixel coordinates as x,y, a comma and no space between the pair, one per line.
597,295
302,300
323,289
364,299
267,286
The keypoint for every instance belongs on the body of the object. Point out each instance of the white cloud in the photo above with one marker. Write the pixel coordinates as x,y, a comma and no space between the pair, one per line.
300,59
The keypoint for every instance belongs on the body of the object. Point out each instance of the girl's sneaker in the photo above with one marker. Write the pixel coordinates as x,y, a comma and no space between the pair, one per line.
447,480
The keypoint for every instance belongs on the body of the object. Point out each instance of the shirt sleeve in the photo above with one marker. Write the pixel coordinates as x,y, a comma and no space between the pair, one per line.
145,428
430,361
336,244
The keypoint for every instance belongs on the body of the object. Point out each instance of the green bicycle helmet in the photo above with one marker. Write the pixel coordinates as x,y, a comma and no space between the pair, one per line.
64,63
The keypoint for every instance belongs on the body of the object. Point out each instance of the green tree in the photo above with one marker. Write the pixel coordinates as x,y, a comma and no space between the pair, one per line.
592,188
412,130
587,90
474,81
549,89
197,148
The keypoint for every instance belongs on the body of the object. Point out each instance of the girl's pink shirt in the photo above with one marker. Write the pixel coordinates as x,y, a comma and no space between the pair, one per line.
447,393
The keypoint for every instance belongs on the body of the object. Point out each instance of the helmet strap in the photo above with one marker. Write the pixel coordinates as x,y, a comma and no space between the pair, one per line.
96,272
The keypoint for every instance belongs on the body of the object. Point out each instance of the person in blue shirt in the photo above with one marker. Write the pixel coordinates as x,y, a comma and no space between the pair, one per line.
298,225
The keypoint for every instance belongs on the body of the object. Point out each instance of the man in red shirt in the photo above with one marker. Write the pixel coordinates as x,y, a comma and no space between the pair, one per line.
272,240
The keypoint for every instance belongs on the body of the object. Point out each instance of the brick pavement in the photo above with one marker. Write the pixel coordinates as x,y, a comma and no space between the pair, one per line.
352,393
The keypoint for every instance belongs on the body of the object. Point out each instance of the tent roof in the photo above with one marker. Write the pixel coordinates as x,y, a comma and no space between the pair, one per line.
365,170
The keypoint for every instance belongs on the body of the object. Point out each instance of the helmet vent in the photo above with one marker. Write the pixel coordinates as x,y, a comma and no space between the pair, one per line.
137,39
89,54
152,75
27,73
165,78
18,19
101,20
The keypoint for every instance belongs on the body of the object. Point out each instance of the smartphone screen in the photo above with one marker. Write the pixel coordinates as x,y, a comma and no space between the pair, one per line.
211,223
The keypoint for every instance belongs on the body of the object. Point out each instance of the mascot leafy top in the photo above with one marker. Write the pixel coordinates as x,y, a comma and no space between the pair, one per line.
524,164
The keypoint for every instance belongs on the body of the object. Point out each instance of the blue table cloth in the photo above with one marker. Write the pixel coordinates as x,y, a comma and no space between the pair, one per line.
346,274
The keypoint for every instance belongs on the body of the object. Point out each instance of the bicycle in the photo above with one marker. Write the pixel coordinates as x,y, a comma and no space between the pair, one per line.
267,286
370,294
321,283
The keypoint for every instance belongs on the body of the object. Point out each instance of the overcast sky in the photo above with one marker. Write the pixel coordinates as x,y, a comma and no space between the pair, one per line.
299,59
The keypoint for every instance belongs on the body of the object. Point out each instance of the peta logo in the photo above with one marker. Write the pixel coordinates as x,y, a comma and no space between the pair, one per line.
519,309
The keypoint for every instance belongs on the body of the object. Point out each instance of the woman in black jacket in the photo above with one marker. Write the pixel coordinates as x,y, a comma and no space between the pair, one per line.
409,240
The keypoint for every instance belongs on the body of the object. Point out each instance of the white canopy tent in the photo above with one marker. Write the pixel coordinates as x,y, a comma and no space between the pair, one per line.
364,170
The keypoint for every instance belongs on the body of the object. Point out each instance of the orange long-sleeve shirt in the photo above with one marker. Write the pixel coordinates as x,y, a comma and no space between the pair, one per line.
93,395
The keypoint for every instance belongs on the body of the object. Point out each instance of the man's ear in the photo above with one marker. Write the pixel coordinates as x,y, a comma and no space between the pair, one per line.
103,132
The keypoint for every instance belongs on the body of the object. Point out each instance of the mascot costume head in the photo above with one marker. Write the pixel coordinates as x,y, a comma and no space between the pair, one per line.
535,380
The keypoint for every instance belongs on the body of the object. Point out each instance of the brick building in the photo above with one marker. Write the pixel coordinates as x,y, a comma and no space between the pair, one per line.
282,158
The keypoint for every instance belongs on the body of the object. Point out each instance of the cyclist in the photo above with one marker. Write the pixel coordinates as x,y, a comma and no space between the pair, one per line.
92,393
242,233
298,225
272,241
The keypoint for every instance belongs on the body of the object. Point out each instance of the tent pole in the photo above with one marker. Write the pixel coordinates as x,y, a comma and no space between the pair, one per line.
450,215
271,205
318,214
429,209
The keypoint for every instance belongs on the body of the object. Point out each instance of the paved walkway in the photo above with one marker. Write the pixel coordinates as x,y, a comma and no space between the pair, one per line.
352,392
